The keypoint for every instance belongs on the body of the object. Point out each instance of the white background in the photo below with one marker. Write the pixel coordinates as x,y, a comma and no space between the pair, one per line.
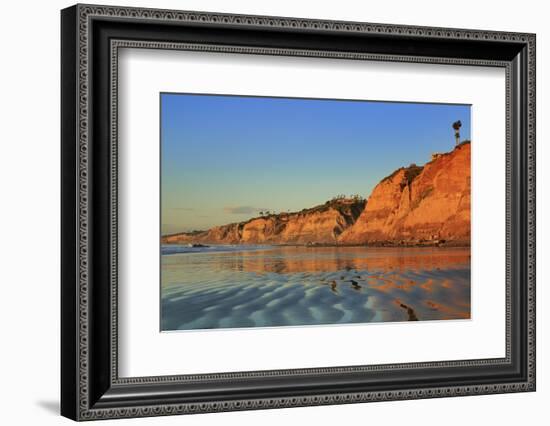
29,225
146,352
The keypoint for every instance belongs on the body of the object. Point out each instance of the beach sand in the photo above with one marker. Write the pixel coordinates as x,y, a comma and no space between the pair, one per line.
233,287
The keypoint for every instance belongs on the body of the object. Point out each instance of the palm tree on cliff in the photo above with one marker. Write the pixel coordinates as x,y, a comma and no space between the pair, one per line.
456,126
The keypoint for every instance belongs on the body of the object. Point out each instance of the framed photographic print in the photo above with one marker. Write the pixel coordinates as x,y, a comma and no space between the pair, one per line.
263,212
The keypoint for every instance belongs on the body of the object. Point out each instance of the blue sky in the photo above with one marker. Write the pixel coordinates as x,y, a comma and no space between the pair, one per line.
225,158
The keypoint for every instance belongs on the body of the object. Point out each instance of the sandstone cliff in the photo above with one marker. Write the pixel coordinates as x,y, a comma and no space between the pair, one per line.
321,224
414,205
419,204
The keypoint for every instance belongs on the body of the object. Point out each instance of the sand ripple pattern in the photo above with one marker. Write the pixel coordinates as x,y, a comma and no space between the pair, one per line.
297,286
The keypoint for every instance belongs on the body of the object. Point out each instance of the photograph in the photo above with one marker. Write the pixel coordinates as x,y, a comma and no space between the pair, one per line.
280,211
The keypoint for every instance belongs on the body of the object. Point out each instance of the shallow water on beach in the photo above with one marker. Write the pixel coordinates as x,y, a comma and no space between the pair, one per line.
262,286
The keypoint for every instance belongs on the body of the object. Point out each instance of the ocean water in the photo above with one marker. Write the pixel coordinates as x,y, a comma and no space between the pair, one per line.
272,286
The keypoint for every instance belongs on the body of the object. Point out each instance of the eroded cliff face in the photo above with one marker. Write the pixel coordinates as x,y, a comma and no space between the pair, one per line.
414,205
321,224
419,204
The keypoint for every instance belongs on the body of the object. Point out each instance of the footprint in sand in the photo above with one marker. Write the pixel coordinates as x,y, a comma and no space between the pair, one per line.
355,285
410,311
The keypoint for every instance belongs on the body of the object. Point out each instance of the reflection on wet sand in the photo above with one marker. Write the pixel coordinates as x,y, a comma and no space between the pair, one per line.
302,259
281,286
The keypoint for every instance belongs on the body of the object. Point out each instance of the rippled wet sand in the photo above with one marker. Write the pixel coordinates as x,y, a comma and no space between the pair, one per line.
290,286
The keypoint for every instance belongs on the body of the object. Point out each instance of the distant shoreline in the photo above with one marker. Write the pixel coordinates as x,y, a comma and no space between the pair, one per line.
451,244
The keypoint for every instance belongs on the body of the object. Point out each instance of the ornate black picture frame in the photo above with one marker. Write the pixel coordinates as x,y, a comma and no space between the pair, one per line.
91,387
